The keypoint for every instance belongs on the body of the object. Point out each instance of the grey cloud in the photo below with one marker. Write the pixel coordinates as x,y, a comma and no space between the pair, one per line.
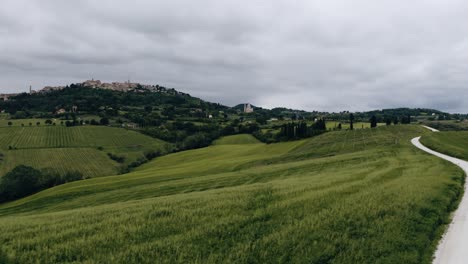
317,55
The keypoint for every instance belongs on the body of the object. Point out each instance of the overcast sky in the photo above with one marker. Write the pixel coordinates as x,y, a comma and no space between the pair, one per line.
316,55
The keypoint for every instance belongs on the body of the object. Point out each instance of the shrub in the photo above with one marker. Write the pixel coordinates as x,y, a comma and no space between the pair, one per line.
152,154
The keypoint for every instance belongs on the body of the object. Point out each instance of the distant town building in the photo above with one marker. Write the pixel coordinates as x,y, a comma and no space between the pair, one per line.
60,111
248,108
6,97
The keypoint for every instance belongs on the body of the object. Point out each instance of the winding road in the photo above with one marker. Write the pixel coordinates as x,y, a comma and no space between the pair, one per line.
453,248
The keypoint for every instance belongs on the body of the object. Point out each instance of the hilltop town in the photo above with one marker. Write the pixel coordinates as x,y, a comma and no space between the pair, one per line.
97,84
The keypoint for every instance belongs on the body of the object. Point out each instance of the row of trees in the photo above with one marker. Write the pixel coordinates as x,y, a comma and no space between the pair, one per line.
388,120
300,130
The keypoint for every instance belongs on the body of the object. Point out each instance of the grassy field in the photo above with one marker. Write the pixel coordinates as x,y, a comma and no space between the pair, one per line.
453,143
237,140
82,148
362,196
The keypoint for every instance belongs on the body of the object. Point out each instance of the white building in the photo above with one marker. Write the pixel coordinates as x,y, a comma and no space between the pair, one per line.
248,108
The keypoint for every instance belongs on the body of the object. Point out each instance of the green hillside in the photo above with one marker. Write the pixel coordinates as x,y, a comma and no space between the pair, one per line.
453,143
84,148
362,196
237,140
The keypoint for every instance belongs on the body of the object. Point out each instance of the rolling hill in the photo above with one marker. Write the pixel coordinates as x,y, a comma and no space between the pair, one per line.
362,196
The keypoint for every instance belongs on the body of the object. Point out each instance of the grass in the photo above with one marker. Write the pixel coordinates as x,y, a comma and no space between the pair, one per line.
453,143
82,148
237,140
362,196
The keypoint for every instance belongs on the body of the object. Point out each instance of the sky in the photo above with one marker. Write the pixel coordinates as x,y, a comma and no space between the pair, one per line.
327,55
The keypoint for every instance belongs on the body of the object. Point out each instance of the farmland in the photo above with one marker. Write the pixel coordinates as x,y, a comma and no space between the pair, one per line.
83,149
362,196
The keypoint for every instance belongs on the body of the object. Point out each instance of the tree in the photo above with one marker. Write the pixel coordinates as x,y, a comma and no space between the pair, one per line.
148,108
339,126
19,182
388,121
48,122
104,121
373,121
351,120
38,123
10,123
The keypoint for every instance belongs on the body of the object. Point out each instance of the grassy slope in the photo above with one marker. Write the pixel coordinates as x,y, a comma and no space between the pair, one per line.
453,143
363,196
65,148
237,140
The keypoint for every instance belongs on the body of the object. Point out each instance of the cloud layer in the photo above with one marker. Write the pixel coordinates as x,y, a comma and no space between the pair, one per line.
316,55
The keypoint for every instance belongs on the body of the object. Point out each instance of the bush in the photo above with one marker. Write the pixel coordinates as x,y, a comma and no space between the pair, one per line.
152,154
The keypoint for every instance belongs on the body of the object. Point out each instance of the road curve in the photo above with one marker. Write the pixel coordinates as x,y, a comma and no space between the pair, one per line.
453,248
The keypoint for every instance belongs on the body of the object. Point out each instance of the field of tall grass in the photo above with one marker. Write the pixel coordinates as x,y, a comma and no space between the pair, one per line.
362,196
453,143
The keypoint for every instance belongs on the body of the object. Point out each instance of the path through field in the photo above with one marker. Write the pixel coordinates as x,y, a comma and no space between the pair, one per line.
431,129
452,248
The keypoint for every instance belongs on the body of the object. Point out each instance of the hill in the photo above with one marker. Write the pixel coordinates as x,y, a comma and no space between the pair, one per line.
85,148
237,140
362,196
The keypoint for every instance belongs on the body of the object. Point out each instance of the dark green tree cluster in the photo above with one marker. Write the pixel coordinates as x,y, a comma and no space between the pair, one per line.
373,121
23,181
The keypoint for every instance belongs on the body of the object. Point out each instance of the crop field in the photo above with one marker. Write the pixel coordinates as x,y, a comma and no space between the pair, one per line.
82,149
362,196
88,161
453,143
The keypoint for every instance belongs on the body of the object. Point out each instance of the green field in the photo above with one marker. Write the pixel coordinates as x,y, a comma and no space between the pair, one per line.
362,196
82,148
237,140
453,143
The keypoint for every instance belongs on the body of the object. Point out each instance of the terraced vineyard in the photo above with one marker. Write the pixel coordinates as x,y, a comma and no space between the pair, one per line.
83,148
363,196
